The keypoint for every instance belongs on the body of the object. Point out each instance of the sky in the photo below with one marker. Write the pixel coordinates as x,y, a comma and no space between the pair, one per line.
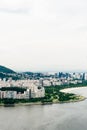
43,35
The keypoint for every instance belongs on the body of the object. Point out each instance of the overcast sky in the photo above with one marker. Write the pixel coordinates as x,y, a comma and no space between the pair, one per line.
43,35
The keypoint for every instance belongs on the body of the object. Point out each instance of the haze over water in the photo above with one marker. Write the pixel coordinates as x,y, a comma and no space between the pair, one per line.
67,116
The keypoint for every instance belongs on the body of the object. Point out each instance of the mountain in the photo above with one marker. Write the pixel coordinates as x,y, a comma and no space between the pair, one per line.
6,70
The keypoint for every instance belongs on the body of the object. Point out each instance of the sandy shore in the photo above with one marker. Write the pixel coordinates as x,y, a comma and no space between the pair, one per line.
68,90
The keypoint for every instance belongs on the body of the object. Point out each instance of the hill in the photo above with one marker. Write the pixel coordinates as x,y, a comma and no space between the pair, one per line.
29,73
6,70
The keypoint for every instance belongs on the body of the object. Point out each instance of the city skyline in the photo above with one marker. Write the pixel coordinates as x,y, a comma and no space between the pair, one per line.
47,35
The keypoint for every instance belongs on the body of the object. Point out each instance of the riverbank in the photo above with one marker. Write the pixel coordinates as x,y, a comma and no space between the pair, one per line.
47,103
56,96
78,99
21,104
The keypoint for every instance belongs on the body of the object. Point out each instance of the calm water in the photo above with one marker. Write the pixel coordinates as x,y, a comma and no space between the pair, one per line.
70,116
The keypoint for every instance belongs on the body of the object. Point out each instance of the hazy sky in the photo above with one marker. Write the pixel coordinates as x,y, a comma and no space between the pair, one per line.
43,35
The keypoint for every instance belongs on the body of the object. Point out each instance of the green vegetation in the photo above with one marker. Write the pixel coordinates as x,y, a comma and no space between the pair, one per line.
6,70
17,89
7,76
13,101
52,95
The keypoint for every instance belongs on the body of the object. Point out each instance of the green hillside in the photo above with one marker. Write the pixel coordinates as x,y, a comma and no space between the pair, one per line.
6,70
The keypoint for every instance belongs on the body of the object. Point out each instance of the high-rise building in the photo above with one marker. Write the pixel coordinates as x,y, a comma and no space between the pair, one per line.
85,76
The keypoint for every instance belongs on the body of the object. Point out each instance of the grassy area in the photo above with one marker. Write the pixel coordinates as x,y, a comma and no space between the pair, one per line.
53,94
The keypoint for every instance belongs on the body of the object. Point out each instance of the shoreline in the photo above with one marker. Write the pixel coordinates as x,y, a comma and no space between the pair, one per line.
66,90
47,103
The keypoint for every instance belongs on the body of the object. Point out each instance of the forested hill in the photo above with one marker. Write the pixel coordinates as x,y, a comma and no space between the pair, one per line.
6,70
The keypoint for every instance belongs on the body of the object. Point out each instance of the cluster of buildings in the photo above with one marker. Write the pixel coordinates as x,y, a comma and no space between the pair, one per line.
33,90
63,78
35,87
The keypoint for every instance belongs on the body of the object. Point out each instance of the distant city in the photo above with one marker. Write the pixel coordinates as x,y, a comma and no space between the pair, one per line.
34,83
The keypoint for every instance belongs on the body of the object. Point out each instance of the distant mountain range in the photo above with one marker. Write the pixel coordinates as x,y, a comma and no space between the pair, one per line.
6,70
9,73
